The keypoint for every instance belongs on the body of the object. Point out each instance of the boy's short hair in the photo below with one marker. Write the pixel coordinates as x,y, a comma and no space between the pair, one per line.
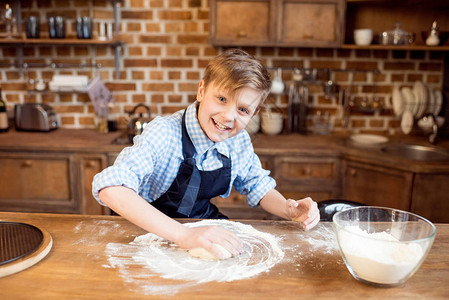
234,69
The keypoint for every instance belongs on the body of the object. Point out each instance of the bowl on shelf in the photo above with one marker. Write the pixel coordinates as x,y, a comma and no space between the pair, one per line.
443,35
382,246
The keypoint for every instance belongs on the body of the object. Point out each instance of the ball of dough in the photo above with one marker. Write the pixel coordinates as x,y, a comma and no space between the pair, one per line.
204,254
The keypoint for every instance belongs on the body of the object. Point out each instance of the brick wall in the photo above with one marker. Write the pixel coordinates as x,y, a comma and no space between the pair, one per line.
165,54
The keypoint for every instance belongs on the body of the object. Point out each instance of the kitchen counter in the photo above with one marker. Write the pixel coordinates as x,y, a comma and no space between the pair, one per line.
78,266
85,140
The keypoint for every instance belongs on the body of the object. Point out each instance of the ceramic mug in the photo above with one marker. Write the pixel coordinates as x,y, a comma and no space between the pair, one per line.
363,37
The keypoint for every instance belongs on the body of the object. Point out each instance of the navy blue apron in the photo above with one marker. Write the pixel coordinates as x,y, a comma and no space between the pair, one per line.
190,193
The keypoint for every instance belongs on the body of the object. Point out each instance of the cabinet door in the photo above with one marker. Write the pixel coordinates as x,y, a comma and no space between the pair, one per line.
242,22
310,23
37,182
89,166
431,197
307,176
374,185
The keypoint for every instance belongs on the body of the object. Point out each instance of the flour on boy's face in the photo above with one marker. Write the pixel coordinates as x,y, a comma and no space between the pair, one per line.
222,115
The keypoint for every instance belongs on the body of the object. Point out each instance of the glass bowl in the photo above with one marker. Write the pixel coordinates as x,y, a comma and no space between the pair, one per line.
382,246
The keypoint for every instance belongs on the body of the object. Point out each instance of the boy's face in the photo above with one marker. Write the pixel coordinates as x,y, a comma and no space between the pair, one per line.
222,116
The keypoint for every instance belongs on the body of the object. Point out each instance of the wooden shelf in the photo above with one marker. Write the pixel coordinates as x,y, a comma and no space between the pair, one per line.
393,47
17,41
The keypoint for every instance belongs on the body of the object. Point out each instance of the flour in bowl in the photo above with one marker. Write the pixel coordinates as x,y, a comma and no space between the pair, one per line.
379,257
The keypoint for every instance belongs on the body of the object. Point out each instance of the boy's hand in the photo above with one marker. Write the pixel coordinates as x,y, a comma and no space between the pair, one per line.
304,211
206,236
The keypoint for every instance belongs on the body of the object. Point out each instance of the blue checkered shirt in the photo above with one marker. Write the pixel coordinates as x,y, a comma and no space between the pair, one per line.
150,166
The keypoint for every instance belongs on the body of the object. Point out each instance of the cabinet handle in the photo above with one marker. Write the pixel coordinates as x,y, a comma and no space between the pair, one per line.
242,34
90,164
353,172
27,163
308,36
307,171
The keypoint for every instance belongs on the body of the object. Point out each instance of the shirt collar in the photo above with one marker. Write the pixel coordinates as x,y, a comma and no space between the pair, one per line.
199,139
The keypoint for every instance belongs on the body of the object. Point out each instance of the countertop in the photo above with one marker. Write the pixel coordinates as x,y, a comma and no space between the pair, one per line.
86,263
334,145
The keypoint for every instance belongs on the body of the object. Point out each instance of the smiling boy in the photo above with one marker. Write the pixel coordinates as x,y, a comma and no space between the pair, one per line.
182,161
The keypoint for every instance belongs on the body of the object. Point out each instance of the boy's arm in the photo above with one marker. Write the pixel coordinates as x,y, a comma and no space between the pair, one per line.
134,208
304,210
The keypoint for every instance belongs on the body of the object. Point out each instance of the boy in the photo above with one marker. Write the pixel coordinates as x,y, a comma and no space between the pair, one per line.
182,161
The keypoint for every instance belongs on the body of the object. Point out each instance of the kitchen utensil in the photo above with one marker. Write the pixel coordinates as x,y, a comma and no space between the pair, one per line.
368,139
398,101
407,122
330,88
105,31
32,27
410,100
138,123
277,85
397,36
22,246
433,38
420,92
272,122
56,27
438,102
363,37
382,246
35,117
84,28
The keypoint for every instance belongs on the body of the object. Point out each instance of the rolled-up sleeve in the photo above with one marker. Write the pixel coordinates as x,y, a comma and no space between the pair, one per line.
254,181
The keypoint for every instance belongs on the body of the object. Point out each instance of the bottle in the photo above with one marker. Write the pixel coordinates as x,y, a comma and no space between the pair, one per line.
3,115
433,38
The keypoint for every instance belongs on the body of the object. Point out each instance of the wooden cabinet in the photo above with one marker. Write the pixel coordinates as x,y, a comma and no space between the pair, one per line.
89,165
248,22
297,177
305,23
307,176
376,185
430,194
49,182
317,23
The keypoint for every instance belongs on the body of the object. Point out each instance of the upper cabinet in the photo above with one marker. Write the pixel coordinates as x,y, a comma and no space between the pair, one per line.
317,23
247,22
323,23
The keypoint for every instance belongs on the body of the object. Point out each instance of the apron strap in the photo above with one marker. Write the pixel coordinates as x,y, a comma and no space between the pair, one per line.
191,193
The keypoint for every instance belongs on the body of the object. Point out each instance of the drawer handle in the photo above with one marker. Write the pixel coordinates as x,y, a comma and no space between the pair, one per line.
27,163
242,34
353,173
307,171
90,164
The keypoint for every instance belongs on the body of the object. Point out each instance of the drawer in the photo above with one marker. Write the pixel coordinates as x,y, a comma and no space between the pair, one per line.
292,168
37,182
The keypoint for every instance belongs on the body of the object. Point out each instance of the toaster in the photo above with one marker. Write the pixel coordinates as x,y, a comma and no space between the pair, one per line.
35,117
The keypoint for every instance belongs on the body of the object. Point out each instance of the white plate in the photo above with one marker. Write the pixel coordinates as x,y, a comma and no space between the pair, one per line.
398,101
438,102
368,139
420,92
407,122
432,100
410,101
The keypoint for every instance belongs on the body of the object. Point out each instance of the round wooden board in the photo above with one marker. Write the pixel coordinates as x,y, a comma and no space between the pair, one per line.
29,258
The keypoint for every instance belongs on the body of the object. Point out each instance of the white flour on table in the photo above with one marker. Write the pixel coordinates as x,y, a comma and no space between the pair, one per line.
150,257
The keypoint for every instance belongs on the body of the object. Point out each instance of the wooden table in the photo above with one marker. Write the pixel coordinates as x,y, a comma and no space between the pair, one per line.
77,267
